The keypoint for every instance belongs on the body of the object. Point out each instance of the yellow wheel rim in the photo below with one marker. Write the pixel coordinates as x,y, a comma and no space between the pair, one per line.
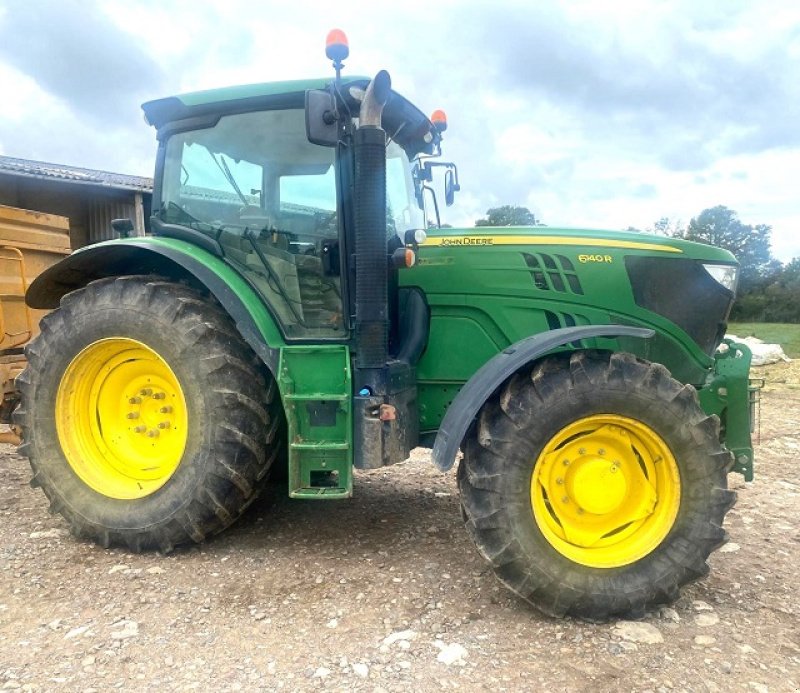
121,418
605,491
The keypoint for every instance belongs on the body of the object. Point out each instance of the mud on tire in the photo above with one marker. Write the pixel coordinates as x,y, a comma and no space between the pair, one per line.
497,469
233,413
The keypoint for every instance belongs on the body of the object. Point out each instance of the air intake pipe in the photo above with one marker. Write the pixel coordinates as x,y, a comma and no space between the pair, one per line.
372,312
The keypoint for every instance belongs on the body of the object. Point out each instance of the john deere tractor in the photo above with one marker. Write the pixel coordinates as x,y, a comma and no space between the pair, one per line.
292,312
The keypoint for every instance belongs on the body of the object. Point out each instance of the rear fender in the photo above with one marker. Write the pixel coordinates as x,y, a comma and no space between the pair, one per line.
497,370
174,259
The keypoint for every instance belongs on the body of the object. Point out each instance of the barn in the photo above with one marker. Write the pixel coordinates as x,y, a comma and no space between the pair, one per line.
89,198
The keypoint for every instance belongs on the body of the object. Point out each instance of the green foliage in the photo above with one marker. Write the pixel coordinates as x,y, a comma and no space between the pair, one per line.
787,335
774,297
663,227
508,215
667,227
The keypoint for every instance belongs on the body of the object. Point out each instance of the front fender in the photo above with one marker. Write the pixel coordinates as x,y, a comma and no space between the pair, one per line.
498,369
166,257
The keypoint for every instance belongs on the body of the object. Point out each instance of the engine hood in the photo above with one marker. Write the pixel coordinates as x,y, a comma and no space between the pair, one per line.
582,241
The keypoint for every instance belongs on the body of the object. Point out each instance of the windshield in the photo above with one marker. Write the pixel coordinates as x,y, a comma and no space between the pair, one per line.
235,174
403,210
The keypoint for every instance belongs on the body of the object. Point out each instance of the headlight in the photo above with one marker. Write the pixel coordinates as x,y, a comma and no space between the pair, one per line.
727,275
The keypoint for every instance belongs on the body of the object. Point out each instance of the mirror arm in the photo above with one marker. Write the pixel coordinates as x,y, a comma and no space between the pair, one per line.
435,204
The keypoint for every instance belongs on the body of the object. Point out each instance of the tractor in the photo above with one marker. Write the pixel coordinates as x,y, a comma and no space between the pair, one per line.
294,312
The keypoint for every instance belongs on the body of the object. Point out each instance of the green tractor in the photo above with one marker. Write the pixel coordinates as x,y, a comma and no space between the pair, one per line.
292,312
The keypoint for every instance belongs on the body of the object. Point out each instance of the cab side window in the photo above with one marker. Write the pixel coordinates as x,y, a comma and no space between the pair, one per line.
257,185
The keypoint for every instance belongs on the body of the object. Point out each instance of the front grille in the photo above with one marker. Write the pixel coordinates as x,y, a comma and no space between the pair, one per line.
682,291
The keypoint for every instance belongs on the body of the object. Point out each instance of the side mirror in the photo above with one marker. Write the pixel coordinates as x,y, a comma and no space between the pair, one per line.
322,125
449,188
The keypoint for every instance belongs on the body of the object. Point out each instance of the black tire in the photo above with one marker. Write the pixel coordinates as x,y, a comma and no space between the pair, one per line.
234,414
497,469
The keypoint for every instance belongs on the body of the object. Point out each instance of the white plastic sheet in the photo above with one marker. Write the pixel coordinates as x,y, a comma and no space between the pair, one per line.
763,353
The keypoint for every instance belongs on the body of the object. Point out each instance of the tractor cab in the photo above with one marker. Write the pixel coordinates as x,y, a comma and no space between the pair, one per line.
314,192
247,173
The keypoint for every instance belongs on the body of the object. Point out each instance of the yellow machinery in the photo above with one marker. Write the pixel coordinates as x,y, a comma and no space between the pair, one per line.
30,242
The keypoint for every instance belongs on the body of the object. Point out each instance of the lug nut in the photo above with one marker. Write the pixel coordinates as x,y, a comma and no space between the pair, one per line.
140,429
164,424
133,415
146,392
582,451
165,410
135,400
559,480
565,500
601,451
152,433
565,463
159,395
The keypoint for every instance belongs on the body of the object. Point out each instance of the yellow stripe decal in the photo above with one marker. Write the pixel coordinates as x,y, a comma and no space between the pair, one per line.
483,240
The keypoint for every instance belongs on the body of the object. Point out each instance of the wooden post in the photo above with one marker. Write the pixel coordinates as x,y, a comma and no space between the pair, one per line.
138,220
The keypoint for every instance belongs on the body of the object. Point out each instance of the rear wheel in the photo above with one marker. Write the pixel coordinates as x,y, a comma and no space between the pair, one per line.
146,419
595,485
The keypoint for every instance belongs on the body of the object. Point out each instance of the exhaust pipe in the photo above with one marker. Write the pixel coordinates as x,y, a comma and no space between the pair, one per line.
375,99
372,311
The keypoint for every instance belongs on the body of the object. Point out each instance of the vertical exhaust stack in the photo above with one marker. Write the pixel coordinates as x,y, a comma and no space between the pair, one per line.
372,313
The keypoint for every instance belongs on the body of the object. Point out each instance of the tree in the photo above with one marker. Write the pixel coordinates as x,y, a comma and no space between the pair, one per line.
750,244
772,298
667,227
508,215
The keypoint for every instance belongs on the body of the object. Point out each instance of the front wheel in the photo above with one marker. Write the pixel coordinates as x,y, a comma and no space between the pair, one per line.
595,485
147,420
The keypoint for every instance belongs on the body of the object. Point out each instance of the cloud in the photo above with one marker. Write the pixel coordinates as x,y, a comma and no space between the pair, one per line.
76,53
595,114
657,80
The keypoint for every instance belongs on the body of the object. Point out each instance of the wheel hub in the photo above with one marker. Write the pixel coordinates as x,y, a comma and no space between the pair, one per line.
597,485
605,490
121,418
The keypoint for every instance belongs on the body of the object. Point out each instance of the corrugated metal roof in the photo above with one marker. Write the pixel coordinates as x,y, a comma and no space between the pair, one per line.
73,174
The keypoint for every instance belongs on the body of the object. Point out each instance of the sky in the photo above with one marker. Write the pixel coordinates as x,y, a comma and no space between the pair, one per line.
590,113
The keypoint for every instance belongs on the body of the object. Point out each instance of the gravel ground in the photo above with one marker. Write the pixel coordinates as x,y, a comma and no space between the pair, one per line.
385,592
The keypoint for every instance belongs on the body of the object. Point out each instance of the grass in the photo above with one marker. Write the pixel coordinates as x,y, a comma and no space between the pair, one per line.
785,334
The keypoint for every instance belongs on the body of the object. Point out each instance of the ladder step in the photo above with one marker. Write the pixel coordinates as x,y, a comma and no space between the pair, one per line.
317,396
320,445
319,493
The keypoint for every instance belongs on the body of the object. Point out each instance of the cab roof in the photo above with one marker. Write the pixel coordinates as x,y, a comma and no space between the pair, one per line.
161,111
402,120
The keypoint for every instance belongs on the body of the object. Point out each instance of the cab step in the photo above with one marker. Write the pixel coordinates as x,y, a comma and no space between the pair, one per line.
315,381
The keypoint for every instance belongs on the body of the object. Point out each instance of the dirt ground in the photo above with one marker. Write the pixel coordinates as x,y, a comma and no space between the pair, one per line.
385,592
